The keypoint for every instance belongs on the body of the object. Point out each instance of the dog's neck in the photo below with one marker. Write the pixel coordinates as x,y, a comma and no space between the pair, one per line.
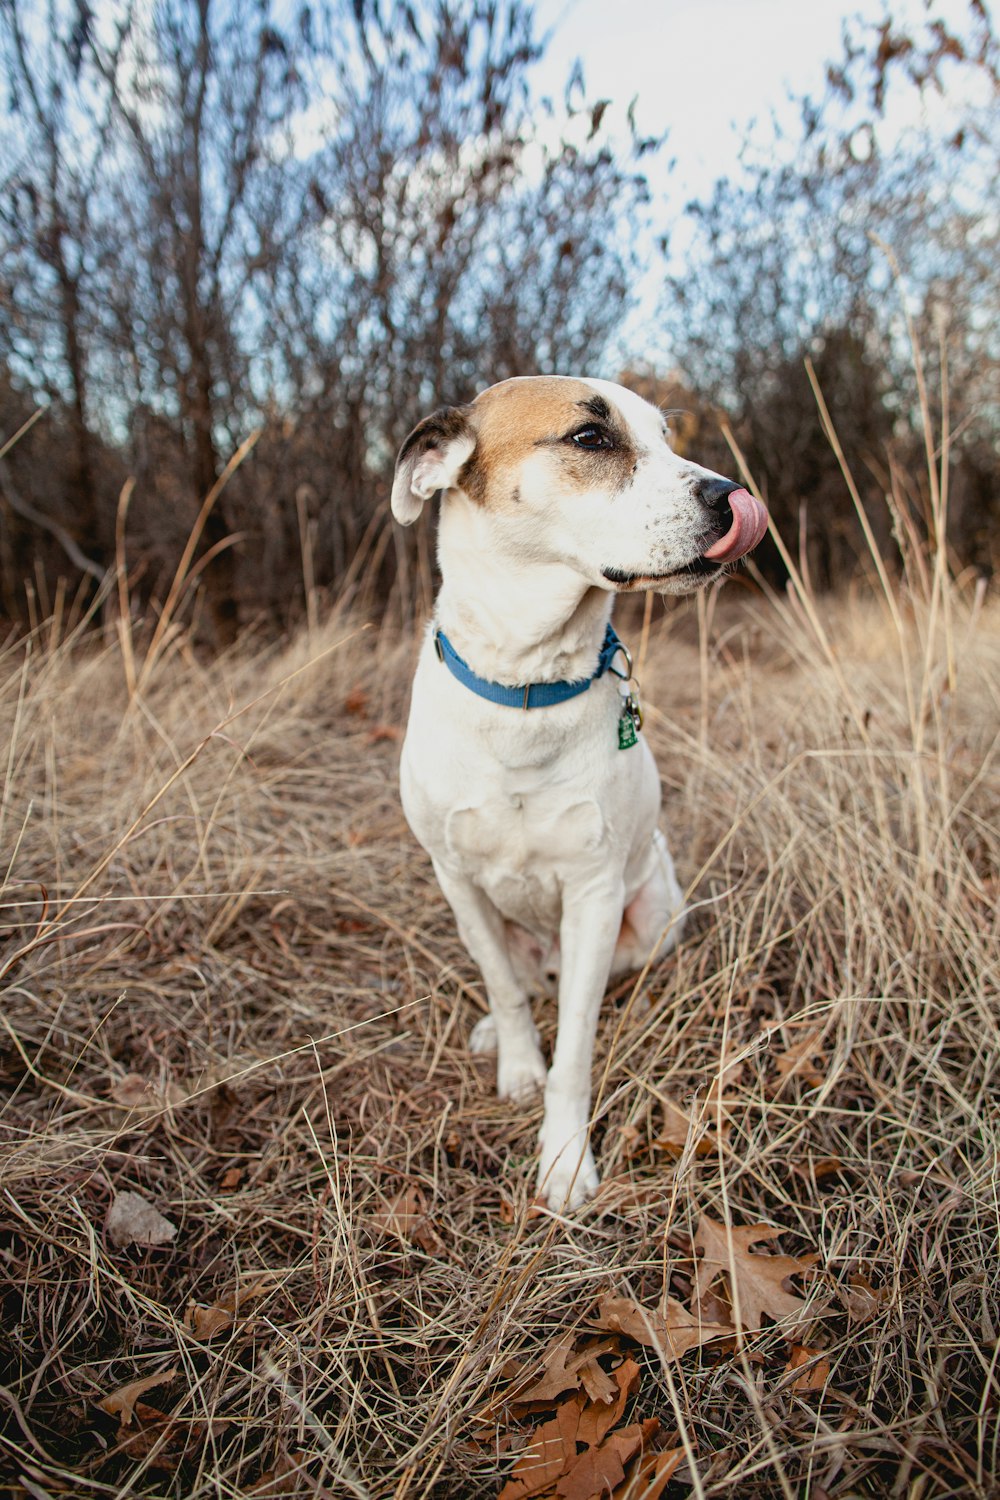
514,621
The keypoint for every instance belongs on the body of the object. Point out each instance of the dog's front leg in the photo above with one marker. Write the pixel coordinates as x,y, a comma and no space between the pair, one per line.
520,1065
591,921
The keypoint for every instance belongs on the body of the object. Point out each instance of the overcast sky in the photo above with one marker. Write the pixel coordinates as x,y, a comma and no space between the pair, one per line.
701,67
703,71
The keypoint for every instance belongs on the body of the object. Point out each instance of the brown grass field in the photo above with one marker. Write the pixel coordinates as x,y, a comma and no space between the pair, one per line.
230,986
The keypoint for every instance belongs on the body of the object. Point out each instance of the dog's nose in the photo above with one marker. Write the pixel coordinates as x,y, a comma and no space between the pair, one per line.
715,493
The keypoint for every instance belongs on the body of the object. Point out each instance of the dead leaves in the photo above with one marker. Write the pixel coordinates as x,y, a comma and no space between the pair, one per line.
801,1058
142,1102
207,1322
582,1453
675,1132
286,1478
670,1328
405,1218
147,1097
163,1439
585,1449
121,1403
756,1283
862,1300
145,1432
567,1368
131,1220
814,1367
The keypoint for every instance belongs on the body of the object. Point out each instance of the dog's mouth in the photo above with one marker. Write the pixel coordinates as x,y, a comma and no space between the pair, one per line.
622,579
745,521
747,524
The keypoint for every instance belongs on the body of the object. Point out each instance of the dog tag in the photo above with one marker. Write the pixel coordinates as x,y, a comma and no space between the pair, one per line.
626,729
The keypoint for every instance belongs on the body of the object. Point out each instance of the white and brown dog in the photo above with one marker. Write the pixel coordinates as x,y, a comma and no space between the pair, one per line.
522,774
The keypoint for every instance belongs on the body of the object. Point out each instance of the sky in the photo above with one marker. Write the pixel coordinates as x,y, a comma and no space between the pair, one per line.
703,69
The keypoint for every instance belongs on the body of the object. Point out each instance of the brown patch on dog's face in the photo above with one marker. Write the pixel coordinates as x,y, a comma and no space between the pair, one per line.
585,437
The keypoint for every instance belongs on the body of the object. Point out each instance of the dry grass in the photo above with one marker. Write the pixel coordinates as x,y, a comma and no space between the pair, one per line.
231,985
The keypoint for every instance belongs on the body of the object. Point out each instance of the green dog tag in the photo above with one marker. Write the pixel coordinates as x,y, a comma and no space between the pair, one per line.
626,730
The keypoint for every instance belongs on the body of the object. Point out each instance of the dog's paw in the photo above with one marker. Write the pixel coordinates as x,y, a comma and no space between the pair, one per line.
568,1181
483,1037
521,1076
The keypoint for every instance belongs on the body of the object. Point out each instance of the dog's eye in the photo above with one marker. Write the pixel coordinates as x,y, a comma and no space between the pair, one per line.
591,438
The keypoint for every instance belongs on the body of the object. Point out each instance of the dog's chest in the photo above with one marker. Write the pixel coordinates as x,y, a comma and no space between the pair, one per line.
521,846
522,806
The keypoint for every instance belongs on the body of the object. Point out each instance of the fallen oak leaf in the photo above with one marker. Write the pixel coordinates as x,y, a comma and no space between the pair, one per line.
155,1434
559,1375
285,1478
862,1300
714,1308
756,1282
814,1367
566,1368
815,1169
162,1440
205,1322
678,1130
144,1096
552,1455
670,1327
598,1418
551,1450
121,1403
596,1381
648,1476
600,1470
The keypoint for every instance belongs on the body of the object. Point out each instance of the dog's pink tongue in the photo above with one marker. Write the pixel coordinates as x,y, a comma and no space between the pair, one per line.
748,528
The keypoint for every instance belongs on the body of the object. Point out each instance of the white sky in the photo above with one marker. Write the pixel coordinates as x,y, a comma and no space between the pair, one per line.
704,71
702,67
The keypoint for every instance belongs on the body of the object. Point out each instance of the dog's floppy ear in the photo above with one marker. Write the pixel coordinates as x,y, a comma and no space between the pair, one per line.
431,459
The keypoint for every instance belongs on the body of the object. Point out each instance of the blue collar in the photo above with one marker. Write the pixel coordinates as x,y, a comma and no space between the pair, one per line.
533,694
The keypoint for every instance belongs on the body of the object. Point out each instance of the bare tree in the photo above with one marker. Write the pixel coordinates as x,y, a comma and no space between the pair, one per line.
56,140
200,92
313,221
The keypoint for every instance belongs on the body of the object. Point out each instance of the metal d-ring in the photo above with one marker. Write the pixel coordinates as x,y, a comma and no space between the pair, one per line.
625,676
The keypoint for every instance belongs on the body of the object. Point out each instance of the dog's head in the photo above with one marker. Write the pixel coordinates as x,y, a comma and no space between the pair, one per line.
580,472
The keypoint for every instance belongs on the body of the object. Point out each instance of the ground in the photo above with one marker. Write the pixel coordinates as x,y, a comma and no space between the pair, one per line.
232,990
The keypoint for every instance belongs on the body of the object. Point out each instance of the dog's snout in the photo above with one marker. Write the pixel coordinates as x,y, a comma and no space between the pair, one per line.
715,493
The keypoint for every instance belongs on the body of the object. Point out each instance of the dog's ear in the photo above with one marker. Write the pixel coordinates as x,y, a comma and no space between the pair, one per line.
431,459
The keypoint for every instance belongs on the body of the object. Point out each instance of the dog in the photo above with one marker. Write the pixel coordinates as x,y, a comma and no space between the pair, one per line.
524,774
